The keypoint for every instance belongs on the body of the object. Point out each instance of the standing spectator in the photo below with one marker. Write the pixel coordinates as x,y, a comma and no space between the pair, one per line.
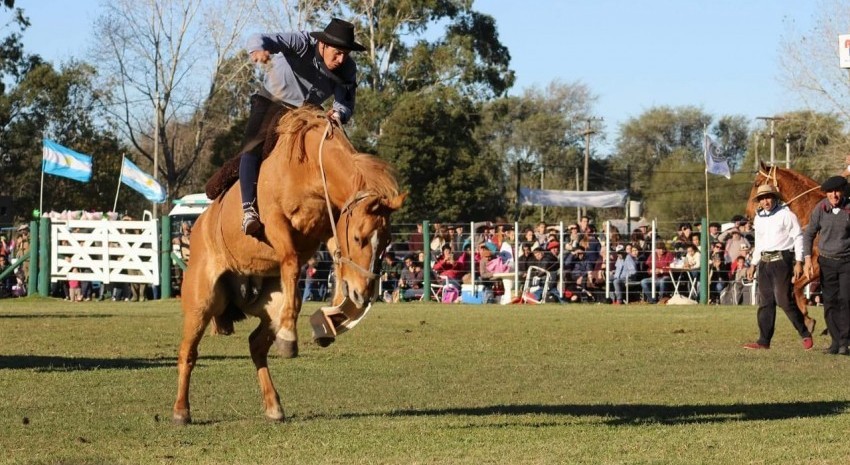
732,242
779,258
506,248
663,259
830,222
308,274
540,234
713,231
416,240
624,271
683,238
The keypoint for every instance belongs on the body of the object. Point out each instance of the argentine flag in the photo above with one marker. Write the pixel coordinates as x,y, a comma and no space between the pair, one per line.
141,182
62,161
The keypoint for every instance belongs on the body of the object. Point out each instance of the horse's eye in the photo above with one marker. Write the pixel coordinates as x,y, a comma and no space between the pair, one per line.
357,239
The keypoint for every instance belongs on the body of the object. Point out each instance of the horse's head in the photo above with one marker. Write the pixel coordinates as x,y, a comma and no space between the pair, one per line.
363,232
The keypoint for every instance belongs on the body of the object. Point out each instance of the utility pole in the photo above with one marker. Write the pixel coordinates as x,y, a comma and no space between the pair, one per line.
586,133
788,151
773,120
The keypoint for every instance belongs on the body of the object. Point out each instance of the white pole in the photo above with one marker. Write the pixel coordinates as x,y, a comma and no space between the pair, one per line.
471,256
115,205
654,224
155,150
607,259
561,262
41,190
516,249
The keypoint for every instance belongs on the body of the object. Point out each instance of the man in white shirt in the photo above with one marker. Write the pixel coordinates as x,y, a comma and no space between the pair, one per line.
778,256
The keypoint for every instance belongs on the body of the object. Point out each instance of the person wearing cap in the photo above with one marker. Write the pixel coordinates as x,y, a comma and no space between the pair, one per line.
778,256
830,224
300,68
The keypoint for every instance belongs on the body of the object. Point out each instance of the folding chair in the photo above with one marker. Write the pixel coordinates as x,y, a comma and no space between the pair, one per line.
532,284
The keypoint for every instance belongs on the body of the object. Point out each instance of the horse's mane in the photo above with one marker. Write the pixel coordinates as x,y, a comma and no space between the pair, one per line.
790,175
370,172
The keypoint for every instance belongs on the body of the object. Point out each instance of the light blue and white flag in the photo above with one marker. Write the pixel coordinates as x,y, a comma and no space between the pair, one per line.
62,161
714,163
141,182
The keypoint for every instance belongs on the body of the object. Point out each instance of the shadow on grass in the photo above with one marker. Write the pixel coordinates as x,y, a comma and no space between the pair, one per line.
53,315
641,414
50,363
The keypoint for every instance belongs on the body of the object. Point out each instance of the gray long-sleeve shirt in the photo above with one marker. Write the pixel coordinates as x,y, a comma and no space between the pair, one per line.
833,225
296,75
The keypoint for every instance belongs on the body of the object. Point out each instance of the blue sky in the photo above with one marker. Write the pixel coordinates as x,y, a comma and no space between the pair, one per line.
721,55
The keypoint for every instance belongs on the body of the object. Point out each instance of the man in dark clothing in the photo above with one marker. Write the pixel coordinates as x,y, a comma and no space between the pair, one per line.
830,222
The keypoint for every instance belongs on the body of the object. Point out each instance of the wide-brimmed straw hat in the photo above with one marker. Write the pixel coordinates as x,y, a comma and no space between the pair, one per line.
339,34
767,189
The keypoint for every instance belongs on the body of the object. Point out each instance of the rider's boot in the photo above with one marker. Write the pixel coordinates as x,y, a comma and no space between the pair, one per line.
248,168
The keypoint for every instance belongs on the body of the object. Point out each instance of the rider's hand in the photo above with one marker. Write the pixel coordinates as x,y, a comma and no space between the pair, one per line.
333,115
260,56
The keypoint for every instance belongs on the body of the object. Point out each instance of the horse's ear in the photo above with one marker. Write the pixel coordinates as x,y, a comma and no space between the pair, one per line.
394,203
764,166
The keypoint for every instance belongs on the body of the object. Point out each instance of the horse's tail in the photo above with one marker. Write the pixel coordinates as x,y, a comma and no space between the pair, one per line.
223,324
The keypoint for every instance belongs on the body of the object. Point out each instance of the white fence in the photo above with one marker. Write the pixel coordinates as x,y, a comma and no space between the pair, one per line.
105,251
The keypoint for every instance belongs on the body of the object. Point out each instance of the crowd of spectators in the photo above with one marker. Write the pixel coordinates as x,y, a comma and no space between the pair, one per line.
586,259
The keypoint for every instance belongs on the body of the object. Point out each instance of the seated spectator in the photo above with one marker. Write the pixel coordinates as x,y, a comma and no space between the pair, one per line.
8,282
525,259
483,275
390,272
549,267
448,268
719,277
661,273
411,282
624,271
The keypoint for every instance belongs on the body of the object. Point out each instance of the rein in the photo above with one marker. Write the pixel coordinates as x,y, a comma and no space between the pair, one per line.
771,176
346,209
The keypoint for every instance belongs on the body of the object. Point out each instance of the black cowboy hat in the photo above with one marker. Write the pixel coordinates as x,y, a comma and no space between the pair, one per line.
835,183
339,34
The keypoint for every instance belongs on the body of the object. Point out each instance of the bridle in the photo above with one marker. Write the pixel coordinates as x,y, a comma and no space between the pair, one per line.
771,176
347,210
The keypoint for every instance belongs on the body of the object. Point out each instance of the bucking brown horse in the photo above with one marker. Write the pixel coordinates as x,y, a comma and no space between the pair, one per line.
314,187
801,193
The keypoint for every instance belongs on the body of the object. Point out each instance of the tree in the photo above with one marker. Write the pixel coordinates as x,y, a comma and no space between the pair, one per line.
538,135
429,139
60,105
166,64
809,61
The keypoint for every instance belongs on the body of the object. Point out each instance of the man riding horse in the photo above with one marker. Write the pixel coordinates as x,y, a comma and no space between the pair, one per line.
301,68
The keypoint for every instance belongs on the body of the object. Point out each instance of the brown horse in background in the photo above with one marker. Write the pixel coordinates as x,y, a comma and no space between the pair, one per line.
314,187
801,193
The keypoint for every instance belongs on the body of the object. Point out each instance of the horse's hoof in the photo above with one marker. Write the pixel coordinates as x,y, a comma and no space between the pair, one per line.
181,419
287,349
324,341
275,415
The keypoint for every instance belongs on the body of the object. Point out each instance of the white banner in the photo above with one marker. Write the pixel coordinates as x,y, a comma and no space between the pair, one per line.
594,199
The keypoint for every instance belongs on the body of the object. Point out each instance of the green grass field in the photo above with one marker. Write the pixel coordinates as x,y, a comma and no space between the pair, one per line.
93,383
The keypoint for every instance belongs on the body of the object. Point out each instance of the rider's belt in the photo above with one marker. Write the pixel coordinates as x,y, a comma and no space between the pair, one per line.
774,255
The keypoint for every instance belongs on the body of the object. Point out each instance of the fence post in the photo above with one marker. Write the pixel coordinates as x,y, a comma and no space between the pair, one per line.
32,282
165,259
426,265
43,257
